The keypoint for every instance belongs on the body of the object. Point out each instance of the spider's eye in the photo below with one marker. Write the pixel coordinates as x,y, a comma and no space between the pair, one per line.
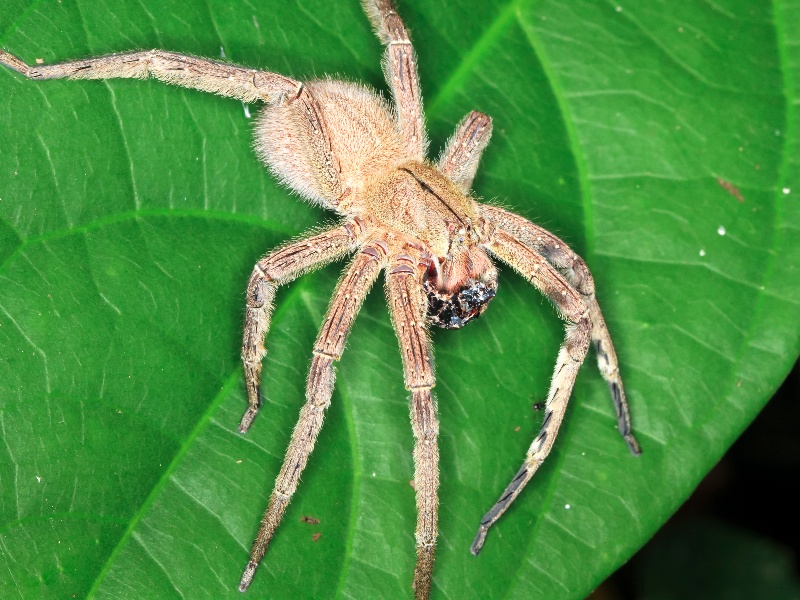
454,310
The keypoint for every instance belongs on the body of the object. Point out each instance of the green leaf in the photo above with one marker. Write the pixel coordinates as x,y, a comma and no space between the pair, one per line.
661,141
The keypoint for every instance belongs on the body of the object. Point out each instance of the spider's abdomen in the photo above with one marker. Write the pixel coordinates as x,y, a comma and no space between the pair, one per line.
456,309
329,140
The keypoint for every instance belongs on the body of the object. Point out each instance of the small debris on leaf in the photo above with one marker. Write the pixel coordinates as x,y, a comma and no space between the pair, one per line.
730,188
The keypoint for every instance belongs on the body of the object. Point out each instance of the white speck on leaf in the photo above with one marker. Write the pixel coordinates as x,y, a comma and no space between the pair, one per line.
721,230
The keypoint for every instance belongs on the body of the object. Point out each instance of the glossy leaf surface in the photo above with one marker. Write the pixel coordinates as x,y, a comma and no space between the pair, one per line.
660,141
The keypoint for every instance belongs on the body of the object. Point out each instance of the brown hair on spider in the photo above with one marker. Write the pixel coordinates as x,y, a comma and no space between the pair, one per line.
343,146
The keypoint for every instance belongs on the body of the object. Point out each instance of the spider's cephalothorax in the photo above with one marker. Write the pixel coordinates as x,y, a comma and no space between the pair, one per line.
455,309
459,288
345,147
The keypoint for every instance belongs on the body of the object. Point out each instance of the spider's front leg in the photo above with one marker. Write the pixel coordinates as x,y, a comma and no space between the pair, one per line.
573,351
577,273
279,267
408,306
247,85
347,300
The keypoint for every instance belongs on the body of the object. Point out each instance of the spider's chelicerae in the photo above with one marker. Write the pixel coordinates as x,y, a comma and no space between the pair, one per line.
343,146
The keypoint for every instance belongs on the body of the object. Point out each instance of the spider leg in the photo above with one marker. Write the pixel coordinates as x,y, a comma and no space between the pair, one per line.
459,159
276,268
573,350
577,273
400,66
408,307
350,294
248,85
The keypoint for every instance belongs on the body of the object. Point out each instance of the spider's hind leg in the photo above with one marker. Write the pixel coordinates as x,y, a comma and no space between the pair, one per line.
460,157
400,65
247,85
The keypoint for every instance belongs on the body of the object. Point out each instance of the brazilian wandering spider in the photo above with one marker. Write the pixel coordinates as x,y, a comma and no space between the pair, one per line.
341,145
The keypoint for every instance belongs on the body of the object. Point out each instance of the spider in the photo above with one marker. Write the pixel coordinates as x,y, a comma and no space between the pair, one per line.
343,146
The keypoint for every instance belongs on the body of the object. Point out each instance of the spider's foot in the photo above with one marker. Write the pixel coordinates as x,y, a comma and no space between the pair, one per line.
480,539
11,61
247,419
247,576
633,445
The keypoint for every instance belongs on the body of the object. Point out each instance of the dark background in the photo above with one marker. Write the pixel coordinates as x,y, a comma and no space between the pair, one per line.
736,537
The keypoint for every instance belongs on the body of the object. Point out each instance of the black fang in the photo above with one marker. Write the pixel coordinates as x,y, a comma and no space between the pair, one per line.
452,311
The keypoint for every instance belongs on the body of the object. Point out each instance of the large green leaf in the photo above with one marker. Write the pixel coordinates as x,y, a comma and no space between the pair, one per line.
660,140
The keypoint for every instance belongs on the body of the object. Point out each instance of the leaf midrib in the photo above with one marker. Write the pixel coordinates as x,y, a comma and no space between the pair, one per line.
134,215
205,419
